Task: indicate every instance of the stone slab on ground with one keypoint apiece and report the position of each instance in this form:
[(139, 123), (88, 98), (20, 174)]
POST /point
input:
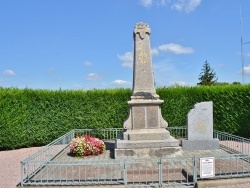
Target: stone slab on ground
[(152, 152), (146, 134), (130, 144), (188, 145)]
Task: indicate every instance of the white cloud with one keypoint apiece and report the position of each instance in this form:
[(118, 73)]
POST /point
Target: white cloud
[(179, 83), (154, 51), (175, 48), (164, 66), (162, 2), (127, 59), (185, 5), (121, 82), (9, 73), (79, 86), (88, 63), (146, 3), (93, 77), (247, 69)]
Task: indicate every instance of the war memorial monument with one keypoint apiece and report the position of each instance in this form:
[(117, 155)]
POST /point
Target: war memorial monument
[(145, 132)]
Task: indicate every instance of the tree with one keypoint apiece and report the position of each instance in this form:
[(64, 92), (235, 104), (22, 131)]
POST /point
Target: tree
[(236, 83), (221, 83), (207, 76)]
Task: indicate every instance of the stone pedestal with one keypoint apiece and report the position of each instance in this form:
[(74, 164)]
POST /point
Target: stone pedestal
[(145, 133)]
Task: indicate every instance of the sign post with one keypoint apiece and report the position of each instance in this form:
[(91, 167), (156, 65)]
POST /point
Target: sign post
[(207, 167)]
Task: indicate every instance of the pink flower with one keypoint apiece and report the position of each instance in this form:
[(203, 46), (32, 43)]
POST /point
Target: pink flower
[(84, 145)]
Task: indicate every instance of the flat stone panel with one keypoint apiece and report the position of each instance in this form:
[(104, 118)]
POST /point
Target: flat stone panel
[(146, 134), (138, 117), (148, 152), (152, 116), (211, 144), (200, 121), (171, 142)]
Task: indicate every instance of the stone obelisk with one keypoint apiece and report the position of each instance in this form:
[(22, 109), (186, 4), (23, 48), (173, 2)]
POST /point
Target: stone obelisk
[(145, 133)]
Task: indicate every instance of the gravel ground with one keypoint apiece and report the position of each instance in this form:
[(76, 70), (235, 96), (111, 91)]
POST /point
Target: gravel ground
[(247, 185), (10, 168)]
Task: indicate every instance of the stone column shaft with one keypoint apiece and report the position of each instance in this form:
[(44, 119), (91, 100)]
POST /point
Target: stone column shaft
[(143, 80)]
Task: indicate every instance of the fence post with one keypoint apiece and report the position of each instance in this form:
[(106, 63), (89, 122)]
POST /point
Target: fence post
[(160, 171), (22, 174), (125, 173), (194, 171), (243, 150)]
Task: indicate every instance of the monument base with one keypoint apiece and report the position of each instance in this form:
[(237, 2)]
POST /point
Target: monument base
[(189, 145), (148, 152), (147, 148), (146, 134)]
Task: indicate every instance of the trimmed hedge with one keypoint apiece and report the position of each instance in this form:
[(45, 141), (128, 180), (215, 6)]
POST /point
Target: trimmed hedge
[(231, 106), (36, 117)]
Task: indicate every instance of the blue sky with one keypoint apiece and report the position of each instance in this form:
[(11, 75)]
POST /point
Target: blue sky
[(80, 44)]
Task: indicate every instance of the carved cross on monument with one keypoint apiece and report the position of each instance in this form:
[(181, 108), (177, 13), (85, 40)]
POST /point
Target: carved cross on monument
[(145, 133)]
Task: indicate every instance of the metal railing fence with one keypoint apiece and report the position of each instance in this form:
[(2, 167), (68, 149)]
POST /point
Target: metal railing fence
[(129, 172), (229, 142), (104, 134), (41, 158), (235, 144), (178, 132), (43, 168), (228, 166)]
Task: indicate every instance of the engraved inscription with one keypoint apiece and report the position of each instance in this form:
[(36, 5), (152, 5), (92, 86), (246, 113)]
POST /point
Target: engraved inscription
[(152, 116), (200, 127), (138, 117), (143, 57)]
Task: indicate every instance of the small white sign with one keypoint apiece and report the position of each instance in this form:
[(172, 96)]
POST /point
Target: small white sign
[(207, 167)]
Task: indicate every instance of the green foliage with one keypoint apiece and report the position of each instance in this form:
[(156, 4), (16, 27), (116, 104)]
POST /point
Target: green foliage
[(207, 77), (236, 83), (37, 117), (221, 83), (231, 105), (226, 83)]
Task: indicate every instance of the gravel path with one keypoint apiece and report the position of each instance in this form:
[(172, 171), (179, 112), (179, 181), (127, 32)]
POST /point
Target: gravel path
[(10, 168)]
